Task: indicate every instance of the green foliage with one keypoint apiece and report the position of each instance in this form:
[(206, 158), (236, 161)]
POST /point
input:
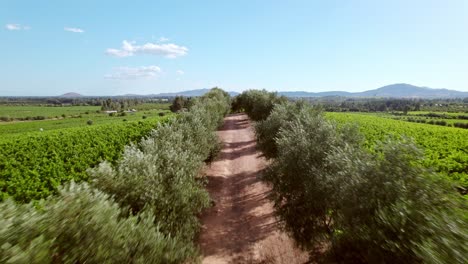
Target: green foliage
[(391, 209), (160, 173), (145, 210), (180, 103), (257, 104), (83, 225), (368, 206), (267, 130), (23, 112), (15, 129), (444, 147), (32, 167)]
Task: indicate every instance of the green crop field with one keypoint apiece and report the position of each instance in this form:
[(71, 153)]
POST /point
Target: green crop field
[(38, 155), (32, 165), (152, 106), (8, 129), (77, 116), (459, 120), (45, 111), (445, 148)]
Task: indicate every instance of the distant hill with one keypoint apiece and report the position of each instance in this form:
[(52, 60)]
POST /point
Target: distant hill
[(399, 90), (404, 90), (71, 95)]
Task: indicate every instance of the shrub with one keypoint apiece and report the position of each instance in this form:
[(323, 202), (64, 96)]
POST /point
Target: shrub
[(461, 125), (257, 104), (39, 118), (180, 103), (267, 130), (145, 210), (441, 123), (160, 173), (89, 122), (391, 209), (82, 225), (161, 177), (302, 194), (366, 207)]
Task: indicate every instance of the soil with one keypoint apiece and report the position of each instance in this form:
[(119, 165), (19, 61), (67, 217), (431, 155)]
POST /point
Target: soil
[(242, 216)]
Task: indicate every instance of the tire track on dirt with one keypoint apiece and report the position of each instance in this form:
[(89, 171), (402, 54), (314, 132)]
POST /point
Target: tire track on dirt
[(242, 215)]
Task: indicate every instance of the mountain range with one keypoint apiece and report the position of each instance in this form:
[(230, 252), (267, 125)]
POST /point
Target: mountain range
[(399, 90)]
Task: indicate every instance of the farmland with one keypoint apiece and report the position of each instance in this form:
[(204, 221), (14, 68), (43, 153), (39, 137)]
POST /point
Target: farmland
[(68, 117), (354, 182), (110, 192), (24, 111), (33, 165), (445, 148), (39, 155)]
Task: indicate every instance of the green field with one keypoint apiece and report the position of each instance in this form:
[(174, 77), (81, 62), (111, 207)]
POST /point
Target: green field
[(49, 112), (38, 155), (77, 116), (46, 111), (445, 148), (33, 165)]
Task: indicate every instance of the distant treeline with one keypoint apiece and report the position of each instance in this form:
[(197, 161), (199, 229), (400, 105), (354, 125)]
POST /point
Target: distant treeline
[(386, 105), (81, 101)]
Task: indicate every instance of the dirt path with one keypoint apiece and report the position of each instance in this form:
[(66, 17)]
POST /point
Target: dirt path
[(242, 215)]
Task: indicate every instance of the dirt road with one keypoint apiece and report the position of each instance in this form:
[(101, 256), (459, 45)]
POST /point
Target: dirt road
[(242, 215)]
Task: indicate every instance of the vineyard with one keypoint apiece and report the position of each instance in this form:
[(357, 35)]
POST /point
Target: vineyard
[(126, 192), (70, 117), (45, 112), (445, 148), (348, 188), (348, 191), (33, 165)]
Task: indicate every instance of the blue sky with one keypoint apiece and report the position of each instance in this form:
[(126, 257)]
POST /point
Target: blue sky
[(53, 47)]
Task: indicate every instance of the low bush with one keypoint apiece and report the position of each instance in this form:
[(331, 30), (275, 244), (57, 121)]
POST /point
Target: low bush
[(257, 104), (267, 130), (375, 207), (362, 206), (142, 208), (83, 225), (461, 125), (160, 173)]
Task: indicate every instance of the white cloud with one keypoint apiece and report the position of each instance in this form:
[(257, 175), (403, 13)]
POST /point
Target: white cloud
[(133, 73), (163, 39), (74, 30), (16, 27), (168, 50), (180, 72)]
